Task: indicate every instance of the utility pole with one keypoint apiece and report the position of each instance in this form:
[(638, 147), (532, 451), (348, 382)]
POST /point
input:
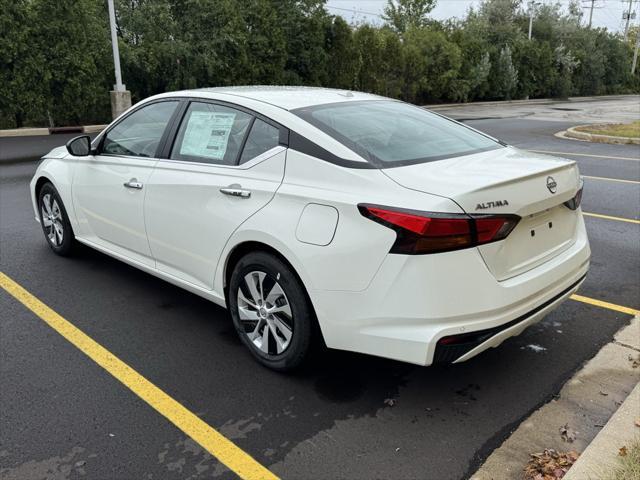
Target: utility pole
[(532, 5), (626, 25), (591, 12), (635, 53), (530, 18), (120, 96)]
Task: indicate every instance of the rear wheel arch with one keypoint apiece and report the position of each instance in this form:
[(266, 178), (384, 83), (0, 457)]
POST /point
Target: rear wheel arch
[(247, 247)]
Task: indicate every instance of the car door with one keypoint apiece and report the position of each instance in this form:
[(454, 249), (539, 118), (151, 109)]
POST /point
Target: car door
[(224, 165), (109, 187)]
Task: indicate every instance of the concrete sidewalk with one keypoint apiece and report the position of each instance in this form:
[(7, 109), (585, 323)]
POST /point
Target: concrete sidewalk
[(600, 458)]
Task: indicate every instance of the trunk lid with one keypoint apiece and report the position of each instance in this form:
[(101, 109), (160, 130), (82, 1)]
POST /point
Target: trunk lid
[(507, 181)]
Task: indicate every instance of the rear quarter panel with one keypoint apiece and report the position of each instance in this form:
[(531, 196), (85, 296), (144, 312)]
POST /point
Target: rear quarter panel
[(358, 247)]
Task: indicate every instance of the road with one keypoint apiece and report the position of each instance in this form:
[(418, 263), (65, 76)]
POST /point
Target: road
[(60, 412)]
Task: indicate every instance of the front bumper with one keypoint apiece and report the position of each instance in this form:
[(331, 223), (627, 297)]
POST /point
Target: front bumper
[(414, 301)]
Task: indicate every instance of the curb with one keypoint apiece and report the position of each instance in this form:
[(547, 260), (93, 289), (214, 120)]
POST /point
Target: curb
[(563, 135), (597, 138), (600, 458), (585, 403), (32, 132)]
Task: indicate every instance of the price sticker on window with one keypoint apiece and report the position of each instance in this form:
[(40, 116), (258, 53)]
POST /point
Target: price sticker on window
[(207, 134)]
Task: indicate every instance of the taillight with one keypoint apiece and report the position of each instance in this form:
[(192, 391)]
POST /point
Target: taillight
[(425, 232), (574, 203)]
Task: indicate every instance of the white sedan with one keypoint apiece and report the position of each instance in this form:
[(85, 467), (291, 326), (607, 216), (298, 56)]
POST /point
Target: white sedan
[(317, 215)]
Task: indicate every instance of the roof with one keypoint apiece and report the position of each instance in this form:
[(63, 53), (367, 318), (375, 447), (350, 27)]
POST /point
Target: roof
[(288, 97)]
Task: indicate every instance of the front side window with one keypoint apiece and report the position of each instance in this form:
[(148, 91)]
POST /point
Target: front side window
[(263, 137), (392, 134), (211, 133), (139, 134)]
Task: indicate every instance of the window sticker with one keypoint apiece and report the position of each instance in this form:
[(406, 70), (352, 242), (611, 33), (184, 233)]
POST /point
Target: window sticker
[(207, 134)]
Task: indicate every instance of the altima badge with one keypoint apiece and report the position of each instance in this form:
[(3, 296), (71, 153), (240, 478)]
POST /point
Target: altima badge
[(497, 203), (552, 185)]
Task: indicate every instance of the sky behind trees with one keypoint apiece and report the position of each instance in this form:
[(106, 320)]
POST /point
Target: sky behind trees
[(606, 13)]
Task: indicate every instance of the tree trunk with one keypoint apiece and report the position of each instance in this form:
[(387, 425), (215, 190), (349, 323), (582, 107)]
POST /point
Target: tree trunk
[(19, 119)]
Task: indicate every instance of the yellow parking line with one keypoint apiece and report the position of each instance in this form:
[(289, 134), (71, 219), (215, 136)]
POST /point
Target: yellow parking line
[(210, 439), (611, 179), (600, 303), (585, 155), (609, 217)]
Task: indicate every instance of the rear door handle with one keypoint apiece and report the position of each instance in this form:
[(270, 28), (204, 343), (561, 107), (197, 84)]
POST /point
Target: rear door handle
[(133, 183), (236, 191)]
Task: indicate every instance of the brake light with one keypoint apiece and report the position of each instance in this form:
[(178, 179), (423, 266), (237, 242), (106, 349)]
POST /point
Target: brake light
[(425, 232), (491, 228), (574, 203)]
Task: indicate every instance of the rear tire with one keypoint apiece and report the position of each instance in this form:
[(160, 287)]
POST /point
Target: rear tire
[(271, 311), (55, 221)]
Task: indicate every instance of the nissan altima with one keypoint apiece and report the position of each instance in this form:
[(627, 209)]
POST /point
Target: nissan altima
[(325, 216)]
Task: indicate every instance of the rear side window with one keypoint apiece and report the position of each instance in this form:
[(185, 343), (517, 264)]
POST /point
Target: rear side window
[(211, 134), (139, 134), (392, 134), (263, 137)]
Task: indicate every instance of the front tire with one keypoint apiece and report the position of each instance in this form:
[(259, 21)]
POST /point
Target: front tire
[(55, 221), (271, 311)]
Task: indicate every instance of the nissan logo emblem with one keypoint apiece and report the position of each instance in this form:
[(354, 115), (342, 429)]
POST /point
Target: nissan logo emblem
[(552, 185)]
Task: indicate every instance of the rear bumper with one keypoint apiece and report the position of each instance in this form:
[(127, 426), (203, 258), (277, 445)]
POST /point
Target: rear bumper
[(468, 345), (414, 301)]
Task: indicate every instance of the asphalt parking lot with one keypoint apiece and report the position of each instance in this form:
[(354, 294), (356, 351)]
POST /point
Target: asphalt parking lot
[(63, 416)]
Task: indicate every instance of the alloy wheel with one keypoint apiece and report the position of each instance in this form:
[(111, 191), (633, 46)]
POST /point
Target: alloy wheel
[(265, 313), (52, 219)]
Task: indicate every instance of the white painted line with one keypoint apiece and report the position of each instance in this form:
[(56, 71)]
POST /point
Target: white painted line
[(611, 179)]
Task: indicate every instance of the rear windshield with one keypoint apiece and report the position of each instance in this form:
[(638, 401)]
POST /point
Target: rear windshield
[(392, 134)]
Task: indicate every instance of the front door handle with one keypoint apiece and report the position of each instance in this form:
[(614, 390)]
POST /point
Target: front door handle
[(236, 190), (133, 183)]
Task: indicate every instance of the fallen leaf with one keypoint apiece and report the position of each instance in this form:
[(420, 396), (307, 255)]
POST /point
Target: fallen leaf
[(549, 465), (567, 434), (622, 452), (604, 394), (637, 422)]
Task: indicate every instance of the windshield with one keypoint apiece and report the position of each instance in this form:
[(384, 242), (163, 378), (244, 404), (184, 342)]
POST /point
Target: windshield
[(392, 134)]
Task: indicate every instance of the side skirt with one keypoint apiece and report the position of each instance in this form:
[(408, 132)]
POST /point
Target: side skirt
[(201, 292)]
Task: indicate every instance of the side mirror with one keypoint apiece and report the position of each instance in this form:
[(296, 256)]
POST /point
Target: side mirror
[(79, 146)]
